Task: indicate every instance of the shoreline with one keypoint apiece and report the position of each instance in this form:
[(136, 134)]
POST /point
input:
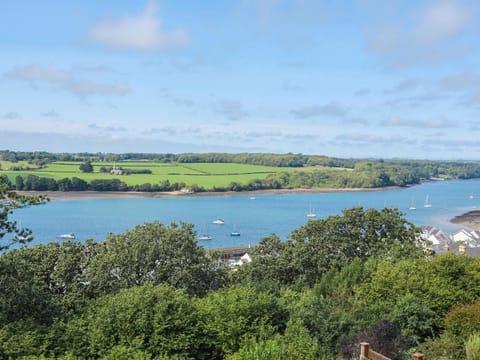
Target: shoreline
[(470, 219), (78, 195)]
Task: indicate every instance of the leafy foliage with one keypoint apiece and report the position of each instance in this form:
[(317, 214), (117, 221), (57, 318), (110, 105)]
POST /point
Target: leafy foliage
[(154, 293), (10, 201)]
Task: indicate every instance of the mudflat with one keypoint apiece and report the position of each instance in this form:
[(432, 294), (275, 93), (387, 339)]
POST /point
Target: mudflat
[(73, 195), (470, 219)]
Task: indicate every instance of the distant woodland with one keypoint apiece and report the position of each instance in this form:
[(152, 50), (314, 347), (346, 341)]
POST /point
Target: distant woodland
[(305, 171)]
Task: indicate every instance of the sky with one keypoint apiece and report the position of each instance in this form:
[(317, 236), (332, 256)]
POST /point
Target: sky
[(352, 79)]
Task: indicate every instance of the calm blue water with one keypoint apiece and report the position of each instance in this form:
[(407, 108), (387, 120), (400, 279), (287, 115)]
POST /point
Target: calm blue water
[(254, 219)]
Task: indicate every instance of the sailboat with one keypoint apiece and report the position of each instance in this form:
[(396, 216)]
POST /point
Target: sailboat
[(311, 214), (412, 206), (427, 204), (471, 195), (234, 232)]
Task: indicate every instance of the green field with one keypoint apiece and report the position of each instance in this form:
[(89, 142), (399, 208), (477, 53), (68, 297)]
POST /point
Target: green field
[(206, 175)]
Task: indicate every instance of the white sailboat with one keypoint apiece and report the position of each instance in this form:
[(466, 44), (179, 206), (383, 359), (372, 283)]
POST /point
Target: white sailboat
[(412, 206), (234, 232), (427, 203), (311, 213)]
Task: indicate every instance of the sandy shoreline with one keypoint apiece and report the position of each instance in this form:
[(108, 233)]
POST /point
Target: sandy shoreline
[(75, 195), (470, 219)]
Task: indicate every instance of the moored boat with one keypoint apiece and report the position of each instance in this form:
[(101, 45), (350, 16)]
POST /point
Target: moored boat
[(67, 236)]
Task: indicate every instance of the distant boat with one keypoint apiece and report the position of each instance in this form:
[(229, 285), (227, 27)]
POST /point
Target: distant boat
[(252, 197), (205, 237), (412, 206), (67, 236), (311, 214), (234, 232), (427, 203), (218, 222), (471, 196)]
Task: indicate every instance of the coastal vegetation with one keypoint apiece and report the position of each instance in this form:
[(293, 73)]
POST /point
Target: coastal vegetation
[(217, 171), (154, 293)]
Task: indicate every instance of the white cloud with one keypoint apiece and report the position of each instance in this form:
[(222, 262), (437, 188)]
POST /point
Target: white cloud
[(108, 129), (331, 109), (437, 123), (37, 74), (441, 21), (138, 32), (429, 35)]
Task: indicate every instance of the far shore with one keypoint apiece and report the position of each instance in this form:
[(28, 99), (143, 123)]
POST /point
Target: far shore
[(76, 195)]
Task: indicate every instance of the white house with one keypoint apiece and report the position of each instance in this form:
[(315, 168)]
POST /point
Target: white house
[(462, 235)]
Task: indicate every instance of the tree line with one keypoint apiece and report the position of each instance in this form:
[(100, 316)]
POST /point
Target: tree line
[(330, 172), (154, 293)]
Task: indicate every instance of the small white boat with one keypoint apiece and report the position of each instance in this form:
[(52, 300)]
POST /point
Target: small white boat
[(252, 197), (412, 207), (427, 204), (311, 214), (67, 236), (471, 196), (234, 232), (218, 222), (205, 237)]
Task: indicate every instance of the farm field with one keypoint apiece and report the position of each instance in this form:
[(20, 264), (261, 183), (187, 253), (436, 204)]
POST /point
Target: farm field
[(206, 175)]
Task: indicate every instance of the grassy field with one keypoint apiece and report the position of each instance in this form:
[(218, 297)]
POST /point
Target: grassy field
[(206, 175)]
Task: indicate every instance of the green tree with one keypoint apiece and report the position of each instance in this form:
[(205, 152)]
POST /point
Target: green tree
[(155, 253), (10, 232), (86, 167), (153, 320), (235, 315)]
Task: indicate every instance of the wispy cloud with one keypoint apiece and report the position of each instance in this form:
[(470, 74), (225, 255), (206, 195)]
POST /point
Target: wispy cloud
[(12, 115), (263, 134), (438, 123), (362, 92), (428, 35), (328, 110), (137, 32), (107, 129), (417, 100), (35, 75), (51, 113), (405, 85), (372, 139), (230, 109)]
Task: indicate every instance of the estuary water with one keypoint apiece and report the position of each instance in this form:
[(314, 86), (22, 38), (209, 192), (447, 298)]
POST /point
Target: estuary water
[(253, 217)]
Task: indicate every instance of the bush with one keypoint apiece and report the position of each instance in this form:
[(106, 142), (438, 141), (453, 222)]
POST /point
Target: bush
[(463, 321)]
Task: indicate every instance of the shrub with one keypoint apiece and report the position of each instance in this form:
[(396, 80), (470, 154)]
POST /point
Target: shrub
[(464, 320)]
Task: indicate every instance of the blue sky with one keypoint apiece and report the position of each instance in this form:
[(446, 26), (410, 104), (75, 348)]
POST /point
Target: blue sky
[(357, 78)]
